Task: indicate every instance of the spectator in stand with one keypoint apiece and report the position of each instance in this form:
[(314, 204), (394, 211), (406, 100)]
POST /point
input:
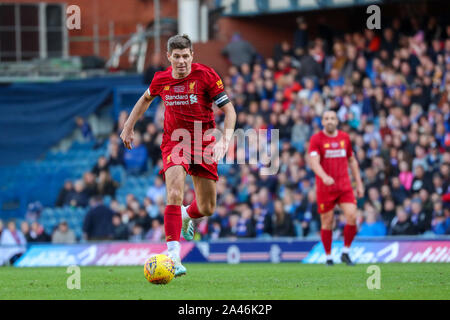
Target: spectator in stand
[(106, 185), (421, 180), (143, 220), (120, 230), (371, 227), (306, 212), (90, 185), (63, 235), (309, 68), (300, 36), (239, 51), (401, 225), (245, 225), (156, 232), (157, 189), (155, 66), (101, 165), (97, 223), (152, 140), (283, 226), (136, 158), (420, 220), (78, 198), (37, 233), (399, 193), (116, 154), (406, 177), (66, 191), (85, 129), (137, 234), (25, 229), (118, 127), (12, 236), (219, 223)]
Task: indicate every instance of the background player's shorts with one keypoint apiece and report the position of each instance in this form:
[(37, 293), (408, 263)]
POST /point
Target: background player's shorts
[(326, 201), (173, 155)]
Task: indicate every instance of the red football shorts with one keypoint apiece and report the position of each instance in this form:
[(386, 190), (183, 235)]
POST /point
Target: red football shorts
[(326, 201), (195, 160)]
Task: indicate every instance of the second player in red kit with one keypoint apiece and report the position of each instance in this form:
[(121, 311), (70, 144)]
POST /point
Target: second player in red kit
[(331, 155)]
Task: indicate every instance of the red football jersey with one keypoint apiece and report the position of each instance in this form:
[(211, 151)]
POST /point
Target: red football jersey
[(188, 99), (334, 153)]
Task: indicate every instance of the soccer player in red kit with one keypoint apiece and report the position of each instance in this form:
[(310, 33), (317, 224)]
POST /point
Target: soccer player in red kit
[(188, 91), (330, 153)]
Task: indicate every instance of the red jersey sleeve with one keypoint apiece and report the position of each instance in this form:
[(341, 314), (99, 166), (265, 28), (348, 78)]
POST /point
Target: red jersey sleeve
[(156, 86), (314, 146), (213, 83)]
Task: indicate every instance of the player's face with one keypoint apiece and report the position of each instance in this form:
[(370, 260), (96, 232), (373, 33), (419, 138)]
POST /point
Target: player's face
[(181, 61), (330, 122)]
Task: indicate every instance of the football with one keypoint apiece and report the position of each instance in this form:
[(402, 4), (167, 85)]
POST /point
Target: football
[(159, 269)]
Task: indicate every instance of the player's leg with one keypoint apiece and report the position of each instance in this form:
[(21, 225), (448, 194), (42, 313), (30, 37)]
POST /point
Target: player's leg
[(326, 233), (175, 178), (204, 177), (204, 204), (205, 197), (350, 210)]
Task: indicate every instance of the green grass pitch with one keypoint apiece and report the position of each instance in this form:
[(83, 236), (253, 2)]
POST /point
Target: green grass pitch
[(223, 281)]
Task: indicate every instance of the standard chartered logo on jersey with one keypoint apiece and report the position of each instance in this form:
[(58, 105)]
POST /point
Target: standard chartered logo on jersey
[(253, 147), (180, 99)]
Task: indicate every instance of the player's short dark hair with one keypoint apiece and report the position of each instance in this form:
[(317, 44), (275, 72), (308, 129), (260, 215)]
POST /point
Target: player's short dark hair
[(328, 110), (179, 42)]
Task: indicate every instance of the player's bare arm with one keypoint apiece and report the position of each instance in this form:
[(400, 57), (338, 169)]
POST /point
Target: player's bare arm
[(230, 120), (354, 167), (139, 109), (318, 170)]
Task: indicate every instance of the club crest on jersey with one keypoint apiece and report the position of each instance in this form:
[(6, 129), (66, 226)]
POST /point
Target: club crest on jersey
[(166, 88), (219, 84), (326, 145), (192, 87), (342, 144), (178, 89)]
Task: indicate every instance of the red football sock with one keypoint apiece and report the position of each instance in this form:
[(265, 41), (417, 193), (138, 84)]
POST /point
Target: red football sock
[(349, 234), (327, 238), (172, 222), (193, 211)]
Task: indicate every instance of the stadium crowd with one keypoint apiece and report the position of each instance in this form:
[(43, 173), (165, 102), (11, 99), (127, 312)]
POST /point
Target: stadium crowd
[(391, 91)]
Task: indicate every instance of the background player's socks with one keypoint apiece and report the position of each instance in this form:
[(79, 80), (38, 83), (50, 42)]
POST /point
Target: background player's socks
[(193, 211), (172, 222), (349, 235), (326, 236)]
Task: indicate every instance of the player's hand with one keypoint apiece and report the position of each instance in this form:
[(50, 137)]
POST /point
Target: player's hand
[(359, 190), (127, 137), (328, 181), (219, 150)]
